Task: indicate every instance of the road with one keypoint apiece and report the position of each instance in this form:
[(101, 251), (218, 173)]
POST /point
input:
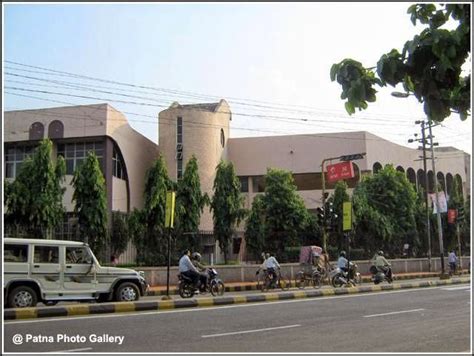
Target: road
[(413, 320)]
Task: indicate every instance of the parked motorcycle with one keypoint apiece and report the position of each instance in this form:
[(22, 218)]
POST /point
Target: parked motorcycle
[(339, 278), (379, 276), (215, 286)]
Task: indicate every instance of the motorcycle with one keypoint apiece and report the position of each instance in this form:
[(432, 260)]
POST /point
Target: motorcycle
[(379, 276), (340, 278), (215, 286)]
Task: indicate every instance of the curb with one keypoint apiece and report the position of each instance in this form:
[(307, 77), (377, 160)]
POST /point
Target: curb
[(250, 287), (106, 308)]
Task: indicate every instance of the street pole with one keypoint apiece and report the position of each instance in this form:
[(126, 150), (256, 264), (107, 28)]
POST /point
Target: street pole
[(459, 245), (168, 267), (428, 224), (324, 204), (438, 212)]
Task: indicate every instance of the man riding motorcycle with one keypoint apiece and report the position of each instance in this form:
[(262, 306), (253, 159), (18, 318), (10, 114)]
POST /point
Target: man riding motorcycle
[(196, 260), (342, 262), (187, 268), (382, 264)]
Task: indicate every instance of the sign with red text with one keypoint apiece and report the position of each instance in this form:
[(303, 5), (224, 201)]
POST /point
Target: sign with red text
[(452, 216), (338, 171)]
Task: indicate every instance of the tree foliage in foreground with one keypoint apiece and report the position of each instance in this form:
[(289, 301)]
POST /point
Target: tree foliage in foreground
[(429, 65), (34, 199)]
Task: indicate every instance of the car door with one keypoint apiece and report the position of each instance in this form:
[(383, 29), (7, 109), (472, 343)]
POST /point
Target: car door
[(46, 269), (80, 275)]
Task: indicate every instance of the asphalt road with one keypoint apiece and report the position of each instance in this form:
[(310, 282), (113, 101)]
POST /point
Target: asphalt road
[(421, 320)]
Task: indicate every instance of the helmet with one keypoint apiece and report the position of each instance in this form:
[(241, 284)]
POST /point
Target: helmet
[(380, 253), (196, 256), (342, 254)]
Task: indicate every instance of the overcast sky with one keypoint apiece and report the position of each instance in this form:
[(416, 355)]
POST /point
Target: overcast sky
[(270, 61)]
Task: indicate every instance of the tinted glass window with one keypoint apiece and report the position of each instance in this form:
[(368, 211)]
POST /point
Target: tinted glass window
[(46, 254), (15, 253)]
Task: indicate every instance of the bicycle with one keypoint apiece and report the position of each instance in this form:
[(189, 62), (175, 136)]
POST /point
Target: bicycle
[(270, 282), (305, 278)]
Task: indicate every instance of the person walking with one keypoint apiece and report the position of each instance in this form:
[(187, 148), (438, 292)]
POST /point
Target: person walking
[(452, 260)]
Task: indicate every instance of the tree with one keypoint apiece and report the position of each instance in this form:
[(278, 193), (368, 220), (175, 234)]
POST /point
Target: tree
[(190, 203), (255, 227), (279, 219), (338, 198), (226, 205), (384, 206), (430, 65), (147, 225), (91, 202), (119, 236), (34, 199)]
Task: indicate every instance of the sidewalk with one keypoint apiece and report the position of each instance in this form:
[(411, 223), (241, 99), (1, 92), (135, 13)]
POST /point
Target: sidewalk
[(247, 286)]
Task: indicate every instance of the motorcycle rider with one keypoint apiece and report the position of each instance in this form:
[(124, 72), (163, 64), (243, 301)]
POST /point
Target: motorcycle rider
[(342, 262), (187, 268), (196, 260), (383, 265)]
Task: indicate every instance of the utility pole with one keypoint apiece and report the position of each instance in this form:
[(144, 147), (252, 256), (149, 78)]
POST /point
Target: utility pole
[(428, 223), (438, 212)]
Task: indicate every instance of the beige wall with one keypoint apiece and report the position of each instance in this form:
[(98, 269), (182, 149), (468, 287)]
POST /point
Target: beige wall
[(201, 137), (119, 199)]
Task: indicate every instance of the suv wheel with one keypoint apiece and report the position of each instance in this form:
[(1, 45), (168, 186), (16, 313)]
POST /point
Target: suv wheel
[(127, 292), (22, 297)]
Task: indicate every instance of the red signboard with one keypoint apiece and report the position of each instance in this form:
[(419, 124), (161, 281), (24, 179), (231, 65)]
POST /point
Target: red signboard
[(338, 171), (452, 216)]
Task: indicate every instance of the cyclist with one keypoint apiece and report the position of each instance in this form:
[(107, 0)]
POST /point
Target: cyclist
[(272, 265)]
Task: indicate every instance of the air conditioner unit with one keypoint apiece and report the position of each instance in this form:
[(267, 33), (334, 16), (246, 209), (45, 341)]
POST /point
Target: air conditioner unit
[(179, 147)]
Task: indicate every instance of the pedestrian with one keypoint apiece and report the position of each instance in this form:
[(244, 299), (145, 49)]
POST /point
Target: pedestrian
[(113, 260), (452, 260)]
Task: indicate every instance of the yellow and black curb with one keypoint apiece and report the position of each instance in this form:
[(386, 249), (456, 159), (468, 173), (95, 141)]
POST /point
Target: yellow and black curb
[(106, 308)]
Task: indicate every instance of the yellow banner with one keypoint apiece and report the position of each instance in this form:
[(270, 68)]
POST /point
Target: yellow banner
[(169, 216), (347, 216)]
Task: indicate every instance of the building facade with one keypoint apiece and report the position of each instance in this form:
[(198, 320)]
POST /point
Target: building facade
[(203, 130)]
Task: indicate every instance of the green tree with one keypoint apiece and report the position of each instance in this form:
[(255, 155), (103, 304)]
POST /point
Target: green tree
[(255, 227), (90, 199), (119, 236), (385, 206), (286, 214), (338, 198), (190, 202), (429, 66), (34, 199), (147, 225), (455, 201), (226, 205)]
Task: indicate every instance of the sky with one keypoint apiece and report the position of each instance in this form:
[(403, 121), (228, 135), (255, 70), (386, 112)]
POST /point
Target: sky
[(270, 61)]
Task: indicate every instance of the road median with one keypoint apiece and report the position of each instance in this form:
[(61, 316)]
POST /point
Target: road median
[(106, 308)]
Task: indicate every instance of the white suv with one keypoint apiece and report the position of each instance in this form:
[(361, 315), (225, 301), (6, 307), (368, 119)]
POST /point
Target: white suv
[(49, 271)]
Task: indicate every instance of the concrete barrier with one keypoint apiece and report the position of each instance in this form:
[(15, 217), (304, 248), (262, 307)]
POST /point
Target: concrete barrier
[(246, 272)]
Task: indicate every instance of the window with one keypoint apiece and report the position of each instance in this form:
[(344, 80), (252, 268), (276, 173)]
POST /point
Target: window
[(46, 254), (15, 253), (78, 255), (222, 138), (179, 148), (376, 167), (75, 153), (308, 181), (118, 167), (14, 158), (244, 184), (36, 131), (56, 129), (258, 183)]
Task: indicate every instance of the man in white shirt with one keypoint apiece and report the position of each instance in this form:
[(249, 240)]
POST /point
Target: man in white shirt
[(272, 265), (187, 268)]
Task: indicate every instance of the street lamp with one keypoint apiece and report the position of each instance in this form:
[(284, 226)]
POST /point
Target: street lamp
[(348, 157)]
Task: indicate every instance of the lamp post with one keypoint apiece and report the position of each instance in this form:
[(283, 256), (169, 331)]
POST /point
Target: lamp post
[(348, 157)]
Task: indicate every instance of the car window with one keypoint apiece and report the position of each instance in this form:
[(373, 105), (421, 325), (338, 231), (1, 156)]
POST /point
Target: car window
[(46, 254), (15, 253), (78, 255)]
